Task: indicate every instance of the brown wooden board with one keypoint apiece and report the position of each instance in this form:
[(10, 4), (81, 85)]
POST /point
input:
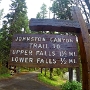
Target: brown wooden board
[(44, 50), (55, 25), (84, 42), (89, 79)]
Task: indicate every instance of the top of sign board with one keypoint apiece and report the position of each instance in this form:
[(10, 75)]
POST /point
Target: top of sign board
[(55, 25)]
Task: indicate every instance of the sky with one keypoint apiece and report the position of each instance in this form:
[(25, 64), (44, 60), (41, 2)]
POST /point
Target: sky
[(32, 5)]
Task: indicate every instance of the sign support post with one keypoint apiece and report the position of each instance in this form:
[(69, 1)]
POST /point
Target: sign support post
[(84, 42)]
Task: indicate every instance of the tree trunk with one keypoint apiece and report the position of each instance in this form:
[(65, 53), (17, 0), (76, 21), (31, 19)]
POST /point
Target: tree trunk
[(78, 74), (70, 74), (41, 70), (51, 71), (45, 71)]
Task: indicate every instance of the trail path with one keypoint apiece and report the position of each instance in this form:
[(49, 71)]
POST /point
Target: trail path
[(24, 82)]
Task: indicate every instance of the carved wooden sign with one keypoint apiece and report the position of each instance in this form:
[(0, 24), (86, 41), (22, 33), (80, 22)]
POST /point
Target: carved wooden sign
[(44, 50)]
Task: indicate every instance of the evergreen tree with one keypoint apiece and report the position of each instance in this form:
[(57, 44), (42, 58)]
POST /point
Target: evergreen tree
[(17, 18), (38, 16), (17, 21), (61, 9), (1, 14), (43, 13)]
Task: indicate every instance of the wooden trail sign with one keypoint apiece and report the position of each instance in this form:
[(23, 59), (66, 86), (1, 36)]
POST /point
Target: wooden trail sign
[(44, 50), (55, 60)]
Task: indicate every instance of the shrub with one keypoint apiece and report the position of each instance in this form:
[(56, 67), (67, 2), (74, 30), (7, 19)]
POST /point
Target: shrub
[(3, 70), (74, 85)]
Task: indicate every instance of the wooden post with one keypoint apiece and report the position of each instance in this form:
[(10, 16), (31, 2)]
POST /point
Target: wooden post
[(77, 69), (84, 63), (84, 42), (78, 74), (70, 74)]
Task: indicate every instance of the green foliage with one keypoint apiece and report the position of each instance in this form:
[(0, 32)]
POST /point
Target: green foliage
[(55, 81), (4, 47), (61, 9), (38, 16), (14, 23), (26, 69), (6, 75), (59, 71), (43, 13), (71, 86), (3, 70), (1, 13), (17, 18)]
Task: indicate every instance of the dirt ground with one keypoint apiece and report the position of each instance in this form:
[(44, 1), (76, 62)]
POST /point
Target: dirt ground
[(26, 81)]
